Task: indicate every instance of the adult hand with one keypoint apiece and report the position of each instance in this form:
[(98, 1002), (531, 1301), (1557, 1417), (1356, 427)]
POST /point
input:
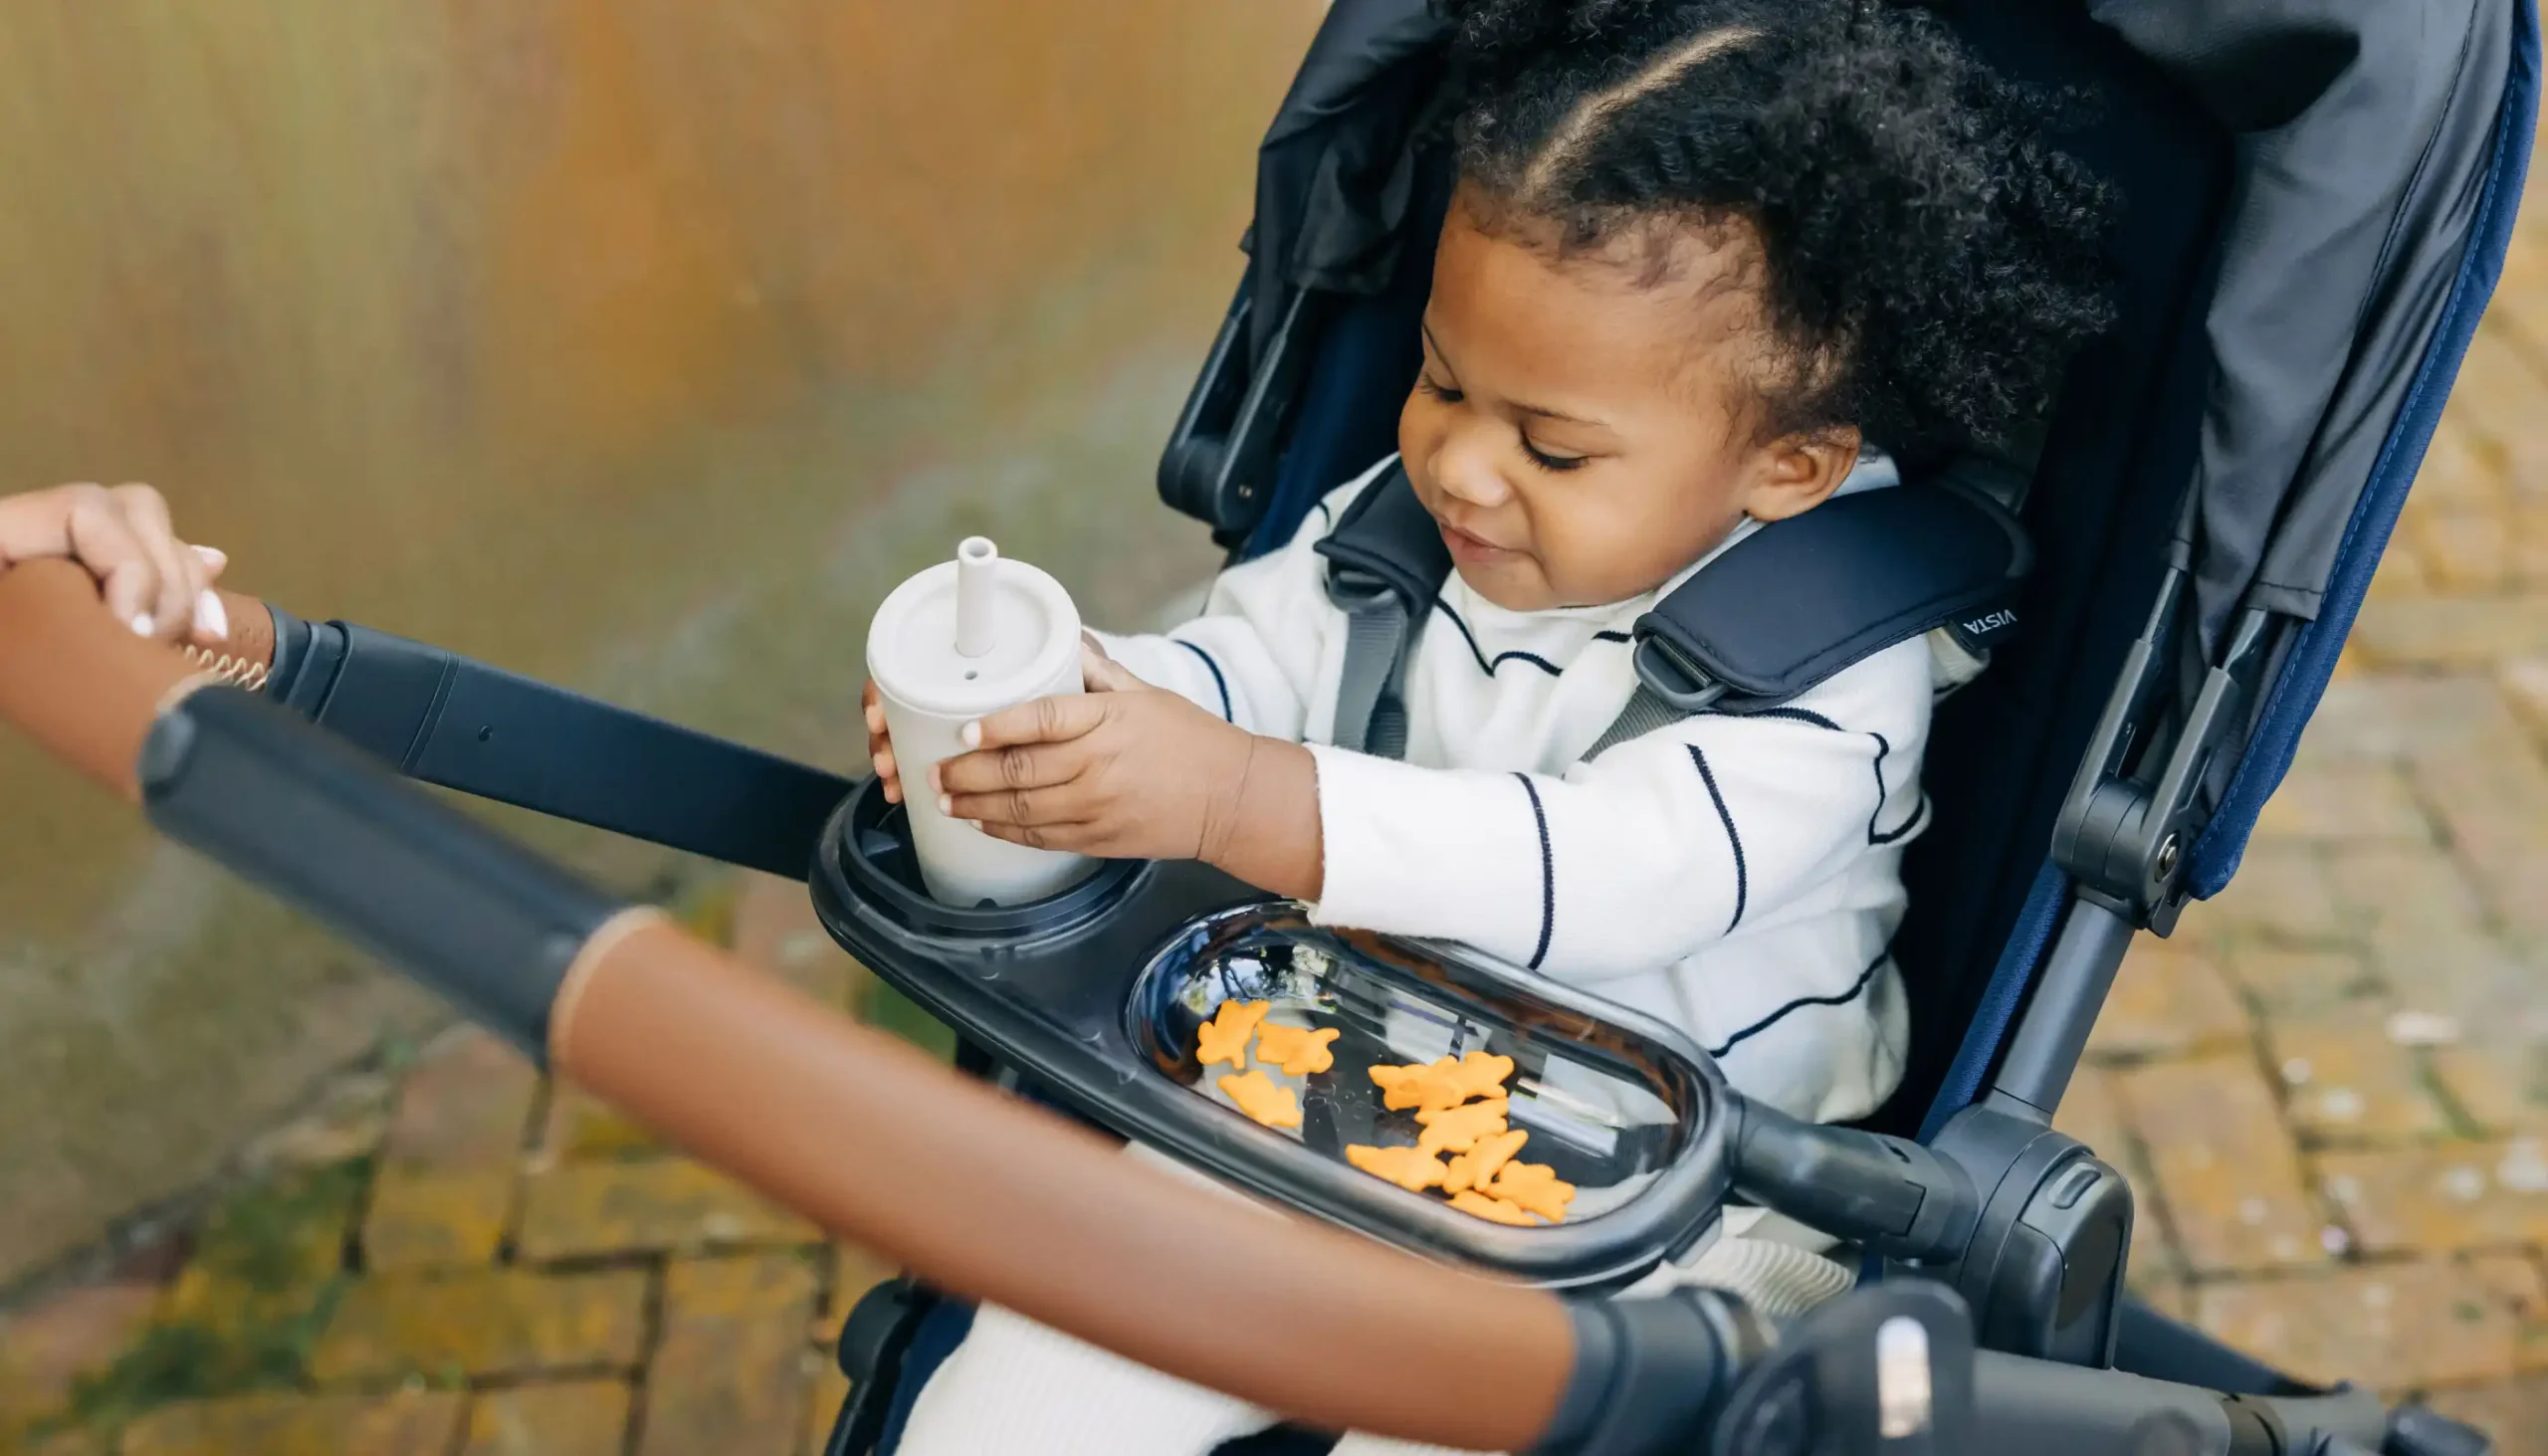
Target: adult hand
[(157, 583)]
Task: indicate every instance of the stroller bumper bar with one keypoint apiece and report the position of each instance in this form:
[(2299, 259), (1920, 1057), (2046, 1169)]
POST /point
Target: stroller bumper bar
[(441, 718)]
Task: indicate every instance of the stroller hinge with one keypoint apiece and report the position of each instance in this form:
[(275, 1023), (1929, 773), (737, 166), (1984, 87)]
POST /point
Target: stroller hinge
[(2139, 801), (1219, 463), (2026, 1224)]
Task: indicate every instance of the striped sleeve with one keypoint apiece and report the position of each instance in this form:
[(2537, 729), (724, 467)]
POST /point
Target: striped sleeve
[(1642, 857)]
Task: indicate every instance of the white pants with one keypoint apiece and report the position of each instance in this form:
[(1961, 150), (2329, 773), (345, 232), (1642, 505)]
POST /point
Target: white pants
[(1017, 1389)]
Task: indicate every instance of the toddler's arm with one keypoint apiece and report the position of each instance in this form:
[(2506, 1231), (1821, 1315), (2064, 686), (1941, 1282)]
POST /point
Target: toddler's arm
[(1638, 859), (1128, 770), (1623, 865)]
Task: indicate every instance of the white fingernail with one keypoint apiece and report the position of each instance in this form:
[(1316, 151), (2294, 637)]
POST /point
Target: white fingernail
[(212, 619), (972, 734), (143, 626), (976, 823), (213, 556), (945, 804)]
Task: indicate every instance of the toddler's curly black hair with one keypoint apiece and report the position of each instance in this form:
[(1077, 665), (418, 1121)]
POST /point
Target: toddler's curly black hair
[(1927, 260)]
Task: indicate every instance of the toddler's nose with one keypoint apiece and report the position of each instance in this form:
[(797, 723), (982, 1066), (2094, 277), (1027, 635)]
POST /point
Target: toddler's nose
[(1468, 472)]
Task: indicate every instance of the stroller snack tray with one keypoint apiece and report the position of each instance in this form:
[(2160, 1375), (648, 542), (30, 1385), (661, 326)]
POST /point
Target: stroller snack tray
[(1096, 997), (1599, 1107)]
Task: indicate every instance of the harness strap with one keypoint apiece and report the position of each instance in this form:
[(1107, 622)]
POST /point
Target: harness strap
[(1801, 600), (1385, 563), (1776, 615), (1371, 704), (1645, 714)]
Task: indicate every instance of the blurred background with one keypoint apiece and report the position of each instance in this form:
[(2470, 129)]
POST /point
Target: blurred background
[(642, 346), (633, 343)]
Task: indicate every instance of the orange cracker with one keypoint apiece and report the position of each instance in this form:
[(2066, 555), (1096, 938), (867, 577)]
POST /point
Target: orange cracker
[(1493, 1210), (1444, 1082), (1296, 1049), (1265, 1099), (1225, 1037), (1413, 1085), (1457, 1129), (1478, 1074), (1535, 1186), (1419, 1085), (1405, 1166), (1476, 1168)]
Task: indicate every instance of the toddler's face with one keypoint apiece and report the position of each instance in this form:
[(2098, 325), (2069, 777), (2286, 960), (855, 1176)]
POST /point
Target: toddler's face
[(1579, 432)]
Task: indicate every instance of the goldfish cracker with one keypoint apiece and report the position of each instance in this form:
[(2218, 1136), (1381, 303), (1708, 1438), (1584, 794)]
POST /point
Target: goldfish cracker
[(1446, 1082), (1407, 1167), (1478, 1074), (1296, 1049), (1265, 1099), (1225, 1037), (1493, 1210), (1457, 1129), (1413, 1086), (1477, 1167), (1535, 1186)]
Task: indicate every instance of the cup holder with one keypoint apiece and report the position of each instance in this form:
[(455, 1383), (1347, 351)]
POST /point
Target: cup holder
[(870, 845)]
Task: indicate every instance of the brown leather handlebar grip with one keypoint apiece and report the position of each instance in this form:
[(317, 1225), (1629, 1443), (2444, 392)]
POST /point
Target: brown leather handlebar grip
[(85, 688), (971, 1191), (76, 681), (251, 632)]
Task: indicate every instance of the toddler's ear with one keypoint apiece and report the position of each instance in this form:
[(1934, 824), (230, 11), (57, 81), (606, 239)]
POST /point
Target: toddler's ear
[(1795, 473)]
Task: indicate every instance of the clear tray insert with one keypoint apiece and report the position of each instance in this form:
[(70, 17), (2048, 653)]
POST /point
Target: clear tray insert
[(1604, 1110)]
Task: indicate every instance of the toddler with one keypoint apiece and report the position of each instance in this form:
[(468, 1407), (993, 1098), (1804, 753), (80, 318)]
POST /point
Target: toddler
[(1704, 258)]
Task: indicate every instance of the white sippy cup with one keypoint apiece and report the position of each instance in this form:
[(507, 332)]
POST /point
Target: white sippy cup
[(957, 642)]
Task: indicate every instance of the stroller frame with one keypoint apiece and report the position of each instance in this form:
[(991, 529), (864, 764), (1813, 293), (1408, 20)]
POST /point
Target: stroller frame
[(1960, 1185)]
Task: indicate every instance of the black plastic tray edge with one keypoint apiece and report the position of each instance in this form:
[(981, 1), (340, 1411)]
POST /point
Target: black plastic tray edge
[(1587, 1255)]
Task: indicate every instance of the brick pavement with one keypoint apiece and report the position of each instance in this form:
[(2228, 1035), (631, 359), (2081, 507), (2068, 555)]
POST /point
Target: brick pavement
[(2331, 1088), (471, 1262)]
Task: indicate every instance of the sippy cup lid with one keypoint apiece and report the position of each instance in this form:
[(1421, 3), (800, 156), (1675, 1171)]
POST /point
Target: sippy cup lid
[(972, 635)]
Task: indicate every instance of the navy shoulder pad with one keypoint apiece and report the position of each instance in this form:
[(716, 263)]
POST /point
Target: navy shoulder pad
[(1801, 599), (1387, 537)]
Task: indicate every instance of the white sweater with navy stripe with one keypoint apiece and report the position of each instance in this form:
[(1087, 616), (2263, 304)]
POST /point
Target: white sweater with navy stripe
[(1737, 877)]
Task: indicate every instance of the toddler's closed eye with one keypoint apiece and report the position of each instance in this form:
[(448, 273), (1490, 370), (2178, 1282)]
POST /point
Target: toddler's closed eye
[(1546, 460)]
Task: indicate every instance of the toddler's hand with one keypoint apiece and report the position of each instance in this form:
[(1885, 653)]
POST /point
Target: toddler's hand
[(1124, 771), (152, 580), (879, 748), (880, 743)]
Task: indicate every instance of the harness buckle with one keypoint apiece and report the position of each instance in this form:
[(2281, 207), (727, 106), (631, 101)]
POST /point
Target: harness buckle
[(1669, 674)]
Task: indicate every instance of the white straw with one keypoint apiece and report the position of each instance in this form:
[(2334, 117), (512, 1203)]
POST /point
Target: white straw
[(975, 561)]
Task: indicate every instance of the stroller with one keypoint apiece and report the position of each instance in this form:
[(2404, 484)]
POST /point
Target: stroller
[(2318, 195)]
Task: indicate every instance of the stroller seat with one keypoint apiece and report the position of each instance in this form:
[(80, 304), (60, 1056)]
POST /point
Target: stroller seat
[(2316, 199)]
